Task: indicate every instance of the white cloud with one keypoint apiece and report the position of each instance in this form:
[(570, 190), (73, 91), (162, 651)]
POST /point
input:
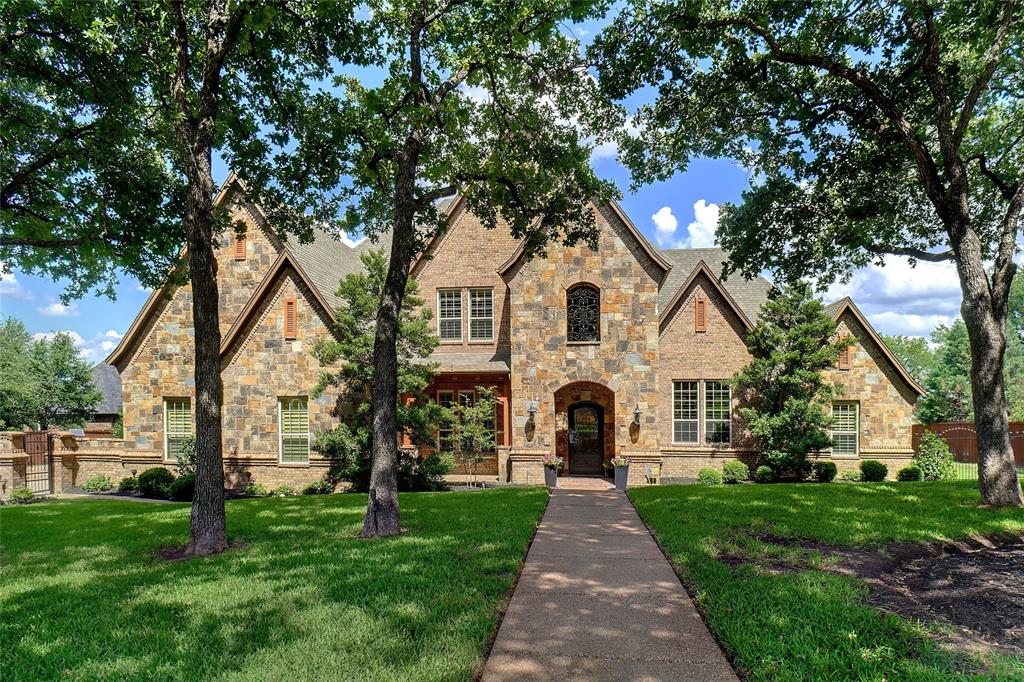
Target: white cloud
[(94, 349), (605, 150), (702, 230), (59, 310), (908, 324), (476, 93), (665, 224), (76, 338), (113, 334), (350, 240), (107, 346), (10, 286)]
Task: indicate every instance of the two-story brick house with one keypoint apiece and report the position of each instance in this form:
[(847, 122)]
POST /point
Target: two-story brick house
[(622, 350)]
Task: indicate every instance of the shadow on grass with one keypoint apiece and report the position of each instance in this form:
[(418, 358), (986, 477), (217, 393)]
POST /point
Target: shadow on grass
[(83, 598)]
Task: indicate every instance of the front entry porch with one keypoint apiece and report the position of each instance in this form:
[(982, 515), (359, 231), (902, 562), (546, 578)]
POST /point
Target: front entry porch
[(584, 427)]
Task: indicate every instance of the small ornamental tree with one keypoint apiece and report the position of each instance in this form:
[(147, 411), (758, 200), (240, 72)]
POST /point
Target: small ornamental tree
[(793, 341), (472, 429), (348, 358)]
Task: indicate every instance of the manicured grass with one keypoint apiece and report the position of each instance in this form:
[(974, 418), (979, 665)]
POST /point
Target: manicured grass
[(966, 471), (81, 596), (810, 624)]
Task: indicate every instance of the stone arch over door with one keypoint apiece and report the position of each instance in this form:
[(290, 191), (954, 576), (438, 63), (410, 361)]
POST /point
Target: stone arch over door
[(583, 392)]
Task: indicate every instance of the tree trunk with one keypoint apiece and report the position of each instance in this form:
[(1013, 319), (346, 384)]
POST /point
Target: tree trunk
[(382, 514), (986, 328), (208, 533)]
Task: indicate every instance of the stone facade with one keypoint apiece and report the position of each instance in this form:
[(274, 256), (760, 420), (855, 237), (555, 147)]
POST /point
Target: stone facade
[(649, 338)]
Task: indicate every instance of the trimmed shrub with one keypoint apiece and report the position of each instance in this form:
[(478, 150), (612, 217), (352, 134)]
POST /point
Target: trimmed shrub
[(910, 473), (21, 495), (850, 475), (129, 484), (825, 472), (257, 490), (155, 483), (98, 484), (764, 474), (709, 476), (183, 489), (321, 487), (934, 458), (284, 491), (735, 471), (873, 470)]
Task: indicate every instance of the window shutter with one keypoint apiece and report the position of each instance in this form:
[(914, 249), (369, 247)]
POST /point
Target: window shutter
[(239, 247), (844, 358), (289, 318), (700, 315)]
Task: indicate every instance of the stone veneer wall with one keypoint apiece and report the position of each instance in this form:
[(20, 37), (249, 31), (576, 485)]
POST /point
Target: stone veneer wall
[(623, 360)]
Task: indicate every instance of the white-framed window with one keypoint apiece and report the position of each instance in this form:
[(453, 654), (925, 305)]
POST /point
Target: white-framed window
[(293, 421), (449, 314), (845, 427), (177, 425), (444, 436), (684, 412), (481, 314), (717, 412)]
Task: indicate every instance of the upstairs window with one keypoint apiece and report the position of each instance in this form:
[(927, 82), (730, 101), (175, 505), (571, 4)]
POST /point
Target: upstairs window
[(294, 431), (177, 426), (583, 314), (845, 420), (700, 314), (449, 314), (290, 323), (239, 246), (481, 314)]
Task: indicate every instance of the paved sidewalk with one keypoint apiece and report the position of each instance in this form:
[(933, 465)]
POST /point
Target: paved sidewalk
[(597, 600)]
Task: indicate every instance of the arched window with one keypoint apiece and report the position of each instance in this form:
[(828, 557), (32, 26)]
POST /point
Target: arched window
[(583, 313)]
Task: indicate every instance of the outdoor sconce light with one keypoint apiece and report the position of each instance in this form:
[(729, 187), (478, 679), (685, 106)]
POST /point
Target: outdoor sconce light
[(636, 415), (532, 411)]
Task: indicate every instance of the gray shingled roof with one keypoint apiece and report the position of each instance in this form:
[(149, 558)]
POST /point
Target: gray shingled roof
[(107, 381), (749, 294), (325, 260), (474, 361)]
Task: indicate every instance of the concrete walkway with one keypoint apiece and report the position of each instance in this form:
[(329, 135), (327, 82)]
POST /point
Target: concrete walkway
[(597, 600)]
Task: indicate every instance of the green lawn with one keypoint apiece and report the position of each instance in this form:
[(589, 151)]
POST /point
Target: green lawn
[(81, 596), (810, 624)]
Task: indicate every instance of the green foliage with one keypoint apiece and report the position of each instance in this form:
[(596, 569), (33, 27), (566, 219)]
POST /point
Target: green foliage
[(155, 483), (256, 490), (417, 473), (709, 476), (807, 623), (948, 397), (117, 430), (283, 491), (825, 472), (43, 382), (471, 428), (183, 488), (21, 496), (735, 471), (851, 475), (872, 470), (321, 487), (128, 484), (934, 458), (764, 474), (910, 473), (793, 341), (98, 484), (186, 461), (914, 353)]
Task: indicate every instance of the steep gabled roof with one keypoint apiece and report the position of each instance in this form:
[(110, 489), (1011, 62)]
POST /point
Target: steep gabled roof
[(702, 268), (108, 382), (748, 295), (836, 310)]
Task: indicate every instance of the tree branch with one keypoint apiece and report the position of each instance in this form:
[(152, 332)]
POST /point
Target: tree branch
[(991, 61), (917, 254), (1005, 189)]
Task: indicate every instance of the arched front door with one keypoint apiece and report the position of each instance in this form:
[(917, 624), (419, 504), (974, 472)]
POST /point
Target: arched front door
[(586, 438)]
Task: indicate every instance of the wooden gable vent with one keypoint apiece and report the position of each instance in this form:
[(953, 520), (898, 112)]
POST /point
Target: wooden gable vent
[(844, 358), (700, 314), (289, 318), (239, 246)]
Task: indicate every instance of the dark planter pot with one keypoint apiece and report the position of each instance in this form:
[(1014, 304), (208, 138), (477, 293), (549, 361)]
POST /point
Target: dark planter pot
[(550, 477), (621, 476)]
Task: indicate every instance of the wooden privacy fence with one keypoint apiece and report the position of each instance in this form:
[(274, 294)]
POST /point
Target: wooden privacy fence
[(963, 440)]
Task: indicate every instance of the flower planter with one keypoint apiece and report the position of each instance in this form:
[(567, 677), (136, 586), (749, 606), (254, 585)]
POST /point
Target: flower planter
[(621, 476), (550, 477)]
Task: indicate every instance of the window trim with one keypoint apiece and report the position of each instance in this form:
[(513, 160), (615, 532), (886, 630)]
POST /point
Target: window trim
[(280, 430), (460, 318), (856, 429), (489, 318), (167, 433), (705, 383), (696, 420)]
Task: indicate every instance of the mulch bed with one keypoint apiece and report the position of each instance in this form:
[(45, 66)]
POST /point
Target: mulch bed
[(973, 586)]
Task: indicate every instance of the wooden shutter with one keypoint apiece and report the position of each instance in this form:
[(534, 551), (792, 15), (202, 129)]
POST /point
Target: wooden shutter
[(844, 358), (289, 318), (239, 247), (700, 315)]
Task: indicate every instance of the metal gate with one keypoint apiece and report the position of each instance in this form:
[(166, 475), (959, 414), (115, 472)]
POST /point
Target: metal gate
[(39, 469)]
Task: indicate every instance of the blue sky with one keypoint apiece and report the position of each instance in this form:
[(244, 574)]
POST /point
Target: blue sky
[(680, 212)]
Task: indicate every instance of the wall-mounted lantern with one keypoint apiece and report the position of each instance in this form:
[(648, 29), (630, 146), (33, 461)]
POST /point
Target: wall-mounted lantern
[(532, 411), (531, 425), (636, 415)]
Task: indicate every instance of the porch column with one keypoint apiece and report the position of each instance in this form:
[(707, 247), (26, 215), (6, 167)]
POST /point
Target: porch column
[(506, 435)]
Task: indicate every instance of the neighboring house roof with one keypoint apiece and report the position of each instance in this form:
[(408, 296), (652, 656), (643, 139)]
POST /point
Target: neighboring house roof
[(748, 294), (107, 381), (836, 310), (470, 362)]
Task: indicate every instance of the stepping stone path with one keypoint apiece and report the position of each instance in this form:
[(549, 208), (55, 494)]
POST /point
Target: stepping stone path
[(597, 600)]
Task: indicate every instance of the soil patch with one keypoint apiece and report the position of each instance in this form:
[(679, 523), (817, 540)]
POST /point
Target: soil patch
[(179, 553), (975, 587)]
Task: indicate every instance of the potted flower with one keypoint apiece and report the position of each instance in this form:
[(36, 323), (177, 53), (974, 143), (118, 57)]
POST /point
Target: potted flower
[(621, 466), (552, 465)]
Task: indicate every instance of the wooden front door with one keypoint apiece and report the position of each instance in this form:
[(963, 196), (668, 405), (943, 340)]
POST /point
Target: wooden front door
[(586, 438)]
